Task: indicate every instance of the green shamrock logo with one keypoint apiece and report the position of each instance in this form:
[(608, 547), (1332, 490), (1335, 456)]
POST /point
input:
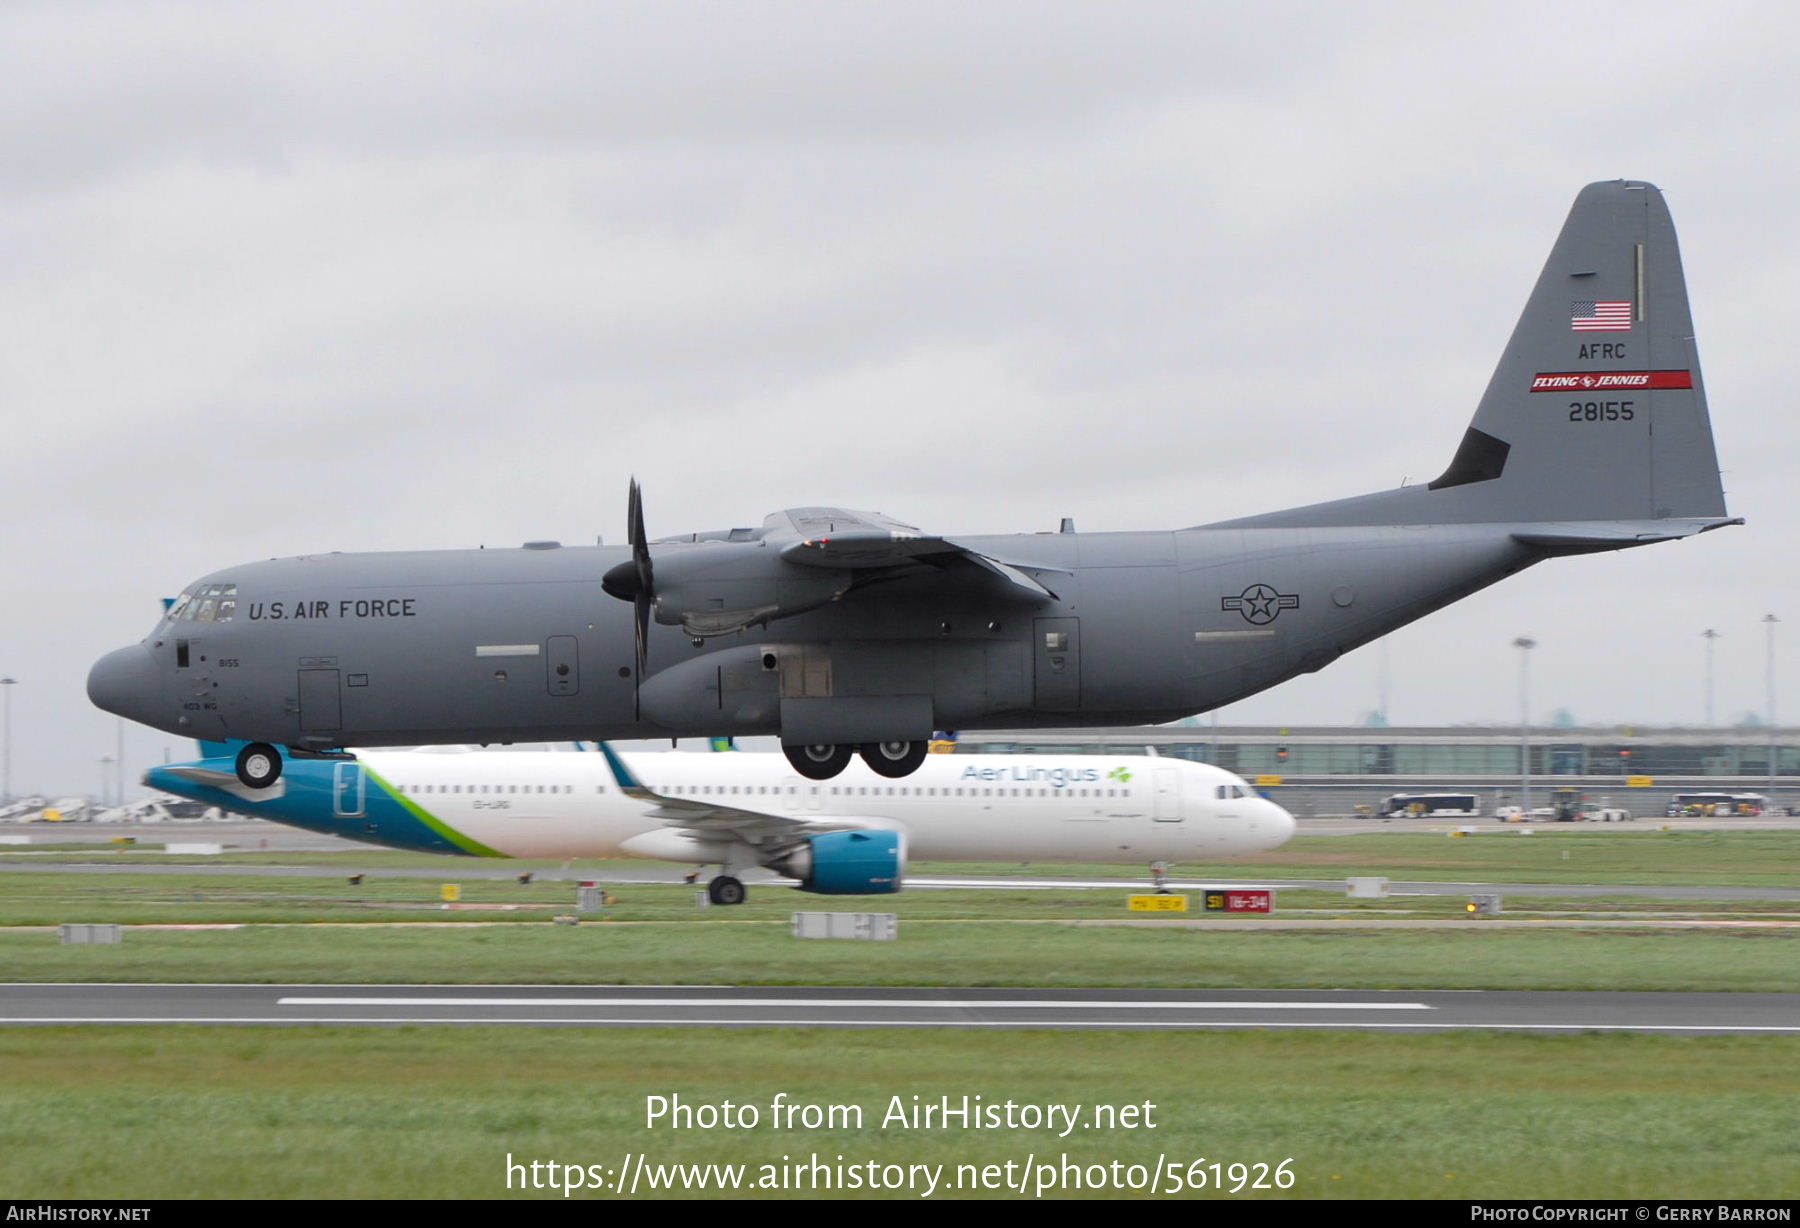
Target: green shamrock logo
[(1122, 775)]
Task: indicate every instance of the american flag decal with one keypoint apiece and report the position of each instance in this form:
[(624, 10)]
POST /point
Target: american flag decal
[(1589, 316)]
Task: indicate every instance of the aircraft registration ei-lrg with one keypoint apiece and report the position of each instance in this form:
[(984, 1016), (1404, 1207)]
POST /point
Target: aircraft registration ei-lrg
[(843, 632)]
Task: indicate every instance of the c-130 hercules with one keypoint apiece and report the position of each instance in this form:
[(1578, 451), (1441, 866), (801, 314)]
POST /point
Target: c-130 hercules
[(847, 632)]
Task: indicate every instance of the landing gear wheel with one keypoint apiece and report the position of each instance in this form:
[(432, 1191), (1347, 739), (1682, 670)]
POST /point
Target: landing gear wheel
[(725, 890), (820, 761), (894, 759), (259, 765)]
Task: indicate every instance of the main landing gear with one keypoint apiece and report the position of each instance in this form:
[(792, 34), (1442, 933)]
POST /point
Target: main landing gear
[(822, 761), (259, 765)]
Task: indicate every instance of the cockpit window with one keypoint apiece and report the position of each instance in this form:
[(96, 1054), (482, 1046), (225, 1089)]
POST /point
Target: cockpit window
[(216, 603)]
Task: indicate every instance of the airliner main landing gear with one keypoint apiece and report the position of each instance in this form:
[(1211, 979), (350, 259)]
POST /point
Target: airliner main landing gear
[(725, 890), (259, 765)]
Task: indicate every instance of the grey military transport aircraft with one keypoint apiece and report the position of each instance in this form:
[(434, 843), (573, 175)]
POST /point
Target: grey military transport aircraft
[(847, 632)]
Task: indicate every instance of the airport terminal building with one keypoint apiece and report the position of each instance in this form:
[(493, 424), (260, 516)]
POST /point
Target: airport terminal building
[(1339, 770)]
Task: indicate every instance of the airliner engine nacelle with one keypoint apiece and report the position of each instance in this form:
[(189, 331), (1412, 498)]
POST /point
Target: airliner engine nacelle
[(846, 863)]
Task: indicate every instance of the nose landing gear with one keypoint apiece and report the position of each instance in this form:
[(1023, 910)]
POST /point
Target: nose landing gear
[(259, 765), (725, 890)]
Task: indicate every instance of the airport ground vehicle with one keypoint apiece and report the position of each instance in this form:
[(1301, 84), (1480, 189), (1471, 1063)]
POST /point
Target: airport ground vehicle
[(1429, 806), (1692, 805)]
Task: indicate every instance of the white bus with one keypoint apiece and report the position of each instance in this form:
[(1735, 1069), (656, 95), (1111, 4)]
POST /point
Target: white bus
[(1429, 806)]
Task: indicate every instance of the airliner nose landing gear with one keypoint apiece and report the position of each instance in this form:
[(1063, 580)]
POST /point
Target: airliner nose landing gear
[(259, 765), (725, 890)]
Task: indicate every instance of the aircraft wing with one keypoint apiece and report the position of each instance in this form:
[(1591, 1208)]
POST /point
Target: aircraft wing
[(840, 537), (712, 821)]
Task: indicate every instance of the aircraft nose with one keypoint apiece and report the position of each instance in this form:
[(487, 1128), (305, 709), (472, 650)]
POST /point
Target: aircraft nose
[(125, 683), (1279, 823)]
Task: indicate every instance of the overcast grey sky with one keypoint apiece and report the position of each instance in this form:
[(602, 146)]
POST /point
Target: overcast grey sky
[(294, 277)]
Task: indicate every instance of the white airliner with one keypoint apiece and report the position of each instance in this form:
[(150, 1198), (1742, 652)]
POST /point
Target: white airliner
[(851, 835)]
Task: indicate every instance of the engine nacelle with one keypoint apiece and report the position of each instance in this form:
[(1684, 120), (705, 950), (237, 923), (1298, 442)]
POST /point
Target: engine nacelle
[(713, 590), (846, 863)]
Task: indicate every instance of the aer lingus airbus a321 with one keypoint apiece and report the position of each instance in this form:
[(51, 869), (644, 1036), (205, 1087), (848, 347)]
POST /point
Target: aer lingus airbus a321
[(847, 632), (853, 836)]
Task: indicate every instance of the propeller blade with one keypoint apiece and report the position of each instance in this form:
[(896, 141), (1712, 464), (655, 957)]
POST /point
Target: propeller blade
[(640, 542), (641, 608), (645, 576)]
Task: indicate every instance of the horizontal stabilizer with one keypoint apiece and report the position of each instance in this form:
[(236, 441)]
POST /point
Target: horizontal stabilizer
[(203, 776), (1586, 536)]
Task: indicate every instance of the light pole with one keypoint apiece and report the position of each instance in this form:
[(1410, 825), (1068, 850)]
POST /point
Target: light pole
[(1525, 644), (105, 777), (1382, 681), (6, 686), (1769, 621), (1709, 635)]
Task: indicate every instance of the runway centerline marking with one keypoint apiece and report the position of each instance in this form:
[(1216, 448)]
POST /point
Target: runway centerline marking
[(888, 1003)]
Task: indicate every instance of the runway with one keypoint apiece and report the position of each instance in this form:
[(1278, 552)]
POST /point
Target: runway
[(860, 1007)]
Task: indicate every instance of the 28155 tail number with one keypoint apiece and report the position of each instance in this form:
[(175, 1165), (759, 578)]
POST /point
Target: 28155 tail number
[(1601, 411)]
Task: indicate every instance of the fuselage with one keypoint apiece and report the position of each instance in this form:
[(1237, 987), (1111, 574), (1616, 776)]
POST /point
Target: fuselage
[(521, 645), (956, 807), (842, 631)]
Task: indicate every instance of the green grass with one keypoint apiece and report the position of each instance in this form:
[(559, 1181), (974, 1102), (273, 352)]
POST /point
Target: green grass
[(179, 1112), (1503, 854), (47, 898), (1639, 854), (965, 953)]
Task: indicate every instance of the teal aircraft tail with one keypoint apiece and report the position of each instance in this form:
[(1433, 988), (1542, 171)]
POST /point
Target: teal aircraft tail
[(1596, 411)]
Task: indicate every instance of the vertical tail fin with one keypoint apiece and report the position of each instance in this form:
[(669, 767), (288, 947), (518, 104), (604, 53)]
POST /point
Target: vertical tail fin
[(1596, 410)]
